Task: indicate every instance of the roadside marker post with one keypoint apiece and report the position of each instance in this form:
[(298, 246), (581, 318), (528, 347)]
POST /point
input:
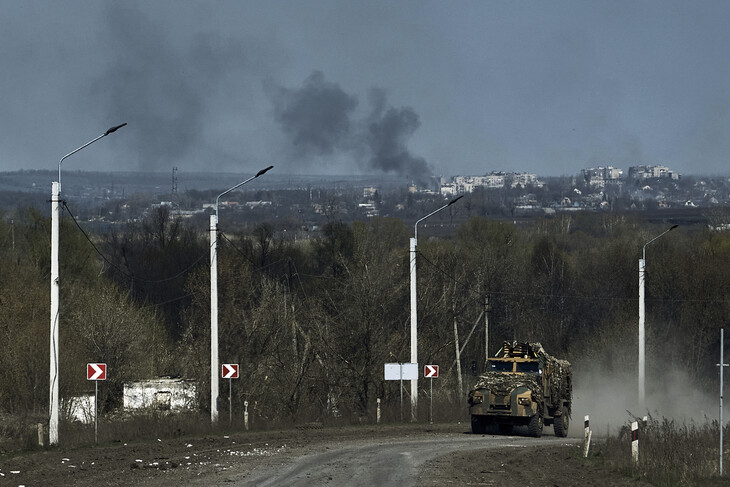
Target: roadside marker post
[(230, 372), (245, 414), (431, 372), (635, 442), (96, 372)]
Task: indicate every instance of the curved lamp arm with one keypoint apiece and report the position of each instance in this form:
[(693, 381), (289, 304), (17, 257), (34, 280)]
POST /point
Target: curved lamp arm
[(109, 131)]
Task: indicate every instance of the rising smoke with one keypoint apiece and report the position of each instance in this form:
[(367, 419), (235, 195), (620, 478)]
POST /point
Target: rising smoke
[(178, 92), (319, 119), (175, 92)]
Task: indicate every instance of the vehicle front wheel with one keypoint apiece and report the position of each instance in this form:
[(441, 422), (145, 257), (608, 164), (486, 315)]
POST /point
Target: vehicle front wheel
[(478, 424), (535, 426), (560, 425)]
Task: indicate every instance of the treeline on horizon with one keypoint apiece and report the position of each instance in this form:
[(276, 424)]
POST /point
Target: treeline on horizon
[(312, 322)]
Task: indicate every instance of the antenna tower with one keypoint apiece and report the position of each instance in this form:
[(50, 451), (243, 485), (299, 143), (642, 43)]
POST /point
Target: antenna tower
[(174, 180)]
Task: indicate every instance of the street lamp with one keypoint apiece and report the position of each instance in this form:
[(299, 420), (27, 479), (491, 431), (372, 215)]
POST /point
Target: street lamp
[(214, 371), (642, 309), (414, 307), (55, 218)]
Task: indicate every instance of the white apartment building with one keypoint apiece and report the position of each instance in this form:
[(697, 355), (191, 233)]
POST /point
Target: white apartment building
[(648, 172), (467, 184), (600, 176)]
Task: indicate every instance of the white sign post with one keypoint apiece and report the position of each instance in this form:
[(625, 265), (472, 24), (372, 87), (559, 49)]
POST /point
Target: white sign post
[(96, 372), (230, 372), (431, 372), (401, 372)]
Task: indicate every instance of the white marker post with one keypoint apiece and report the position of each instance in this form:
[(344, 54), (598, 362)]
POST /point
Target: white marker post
[(377, 415), (635, 442), (245, 414), (586, 436)]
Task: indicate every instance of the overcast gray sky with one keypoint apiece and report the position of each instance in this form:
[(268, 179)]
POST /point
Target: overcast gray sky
[(344, 87)]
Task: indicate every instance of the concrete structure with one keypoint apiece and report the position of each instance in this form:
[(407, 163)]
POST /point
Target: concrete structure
[(163, 394)]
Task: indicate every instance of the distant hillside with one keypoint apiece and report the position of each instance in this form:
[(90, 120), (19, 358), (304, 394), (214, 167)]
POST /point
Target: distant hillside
[(77, 183)]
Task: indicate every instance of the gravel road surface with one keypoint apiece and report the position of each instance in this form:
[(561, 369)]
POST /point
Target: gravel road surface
[(383, 455)]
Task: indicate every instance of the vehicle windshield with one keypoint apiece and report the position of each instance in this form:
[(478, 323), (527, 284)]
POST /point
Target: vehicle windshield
[(529, 367), (500, 366)]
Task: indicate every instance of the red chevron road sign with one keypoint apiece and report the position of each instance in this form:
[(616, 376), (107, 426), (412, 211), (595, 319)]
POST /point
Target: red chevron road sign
[(95, 371), (431, 371), (229, 371)]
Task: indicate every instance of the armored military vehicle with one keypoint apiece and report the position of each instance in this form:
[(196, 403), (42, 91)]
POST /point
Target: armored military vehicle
[(523, 385)]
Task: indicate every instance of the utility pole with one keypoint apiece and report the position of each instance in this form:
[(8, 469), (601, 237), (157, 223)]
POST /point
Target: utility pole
[(414, 306), (55, 218), (486, 331), (214, 368)]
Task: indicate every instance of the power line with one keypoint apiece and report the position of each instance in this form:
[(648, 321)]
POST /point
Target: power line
[(560, 296), (119, 269)]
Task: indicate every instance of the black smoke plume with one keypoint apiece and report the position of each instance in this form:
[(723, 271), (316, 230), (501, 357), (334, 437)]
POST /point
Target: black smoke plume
[(318, 120), (315, 117)]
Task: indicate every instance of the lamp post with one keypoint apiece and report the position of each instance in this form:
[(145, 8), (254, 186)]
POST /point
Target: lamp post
[(642, 309), (55, 217), (414, 306), (214, 370)]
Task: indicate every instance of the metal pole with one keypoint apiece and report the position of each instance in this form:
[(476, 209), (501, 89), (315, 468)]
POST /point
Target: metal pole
[(230, 402), (401, 394), (213, 319), (642, 312), (96, 411), (414, 329), (53, 380), (214, 365), (55, 218), (642, 335), (486, 331), (414, 307), (722, 365), (431, 408)]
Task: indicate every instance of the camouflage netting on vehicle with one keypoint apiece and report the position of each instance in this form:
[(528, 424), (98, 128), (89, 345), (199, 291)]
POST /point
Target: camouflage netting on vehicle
[(502, 384), (559, 376), (559, 373)]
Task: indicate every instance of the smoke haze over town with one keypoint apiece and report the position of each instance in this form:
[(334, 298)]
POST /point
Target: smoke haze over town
[(410, 89)]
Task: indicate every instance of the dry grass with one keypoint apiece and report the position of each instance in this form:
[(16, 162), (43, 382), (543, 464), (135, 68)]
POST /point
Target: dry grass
[(670, 454)]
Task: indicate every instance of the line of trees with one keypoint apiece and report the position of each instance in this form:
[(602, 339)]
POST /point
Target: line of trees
[(312, 322)]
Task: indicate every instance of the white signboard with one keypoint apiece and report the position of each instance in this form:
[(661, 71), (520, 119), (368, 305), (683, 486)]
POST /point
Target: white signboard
[(406, 371)]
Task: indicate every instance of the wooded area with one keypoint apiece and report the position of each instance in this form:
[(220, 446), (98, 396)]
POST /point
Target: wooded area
[(312, 322)]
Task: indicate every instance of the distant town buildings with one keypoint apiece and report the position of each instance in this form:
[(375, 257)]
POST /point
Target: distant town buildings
[(600, 176), (467, 184), (649, 172)]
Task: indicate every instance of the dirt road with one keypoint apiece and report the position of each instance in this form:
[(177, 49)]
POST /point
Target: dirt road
[(444, 454), (383, 462)]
